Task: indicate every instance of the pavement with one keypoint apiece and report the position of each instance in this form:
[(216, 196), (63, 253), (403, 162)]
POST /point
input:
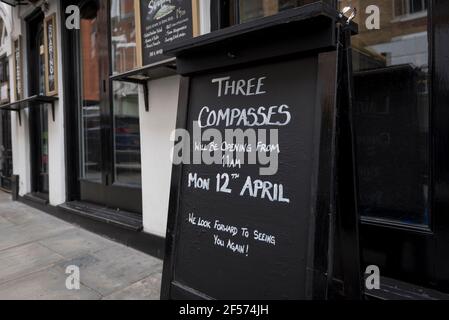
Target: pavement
[(36, 250)]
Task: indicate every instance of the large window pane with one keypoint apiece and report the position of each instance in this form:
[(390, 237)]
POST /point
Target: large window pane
[(90, 103), (126, 134), (400, 7), (391, 76), (44, 182), (253, 9), (416, 6), (123, 33), (125, 95)]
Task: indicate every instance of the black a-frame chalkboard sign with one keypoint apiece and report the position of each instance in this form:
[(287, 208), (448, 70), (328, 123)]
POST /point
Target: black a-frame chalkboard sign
[(263, 229)]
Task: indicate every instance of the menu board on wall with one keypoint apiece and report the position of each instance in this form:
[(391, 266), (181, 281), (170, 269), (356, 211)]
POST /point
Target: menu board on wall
[(243, 232), (18, 80), (51, 56), (163, 22)]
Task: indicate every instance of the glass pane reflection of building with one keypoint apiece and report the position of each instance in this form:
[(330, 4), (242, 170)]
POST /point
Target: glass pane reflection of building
[(253, 9), (90, 133), (391, 77), (127, 162)]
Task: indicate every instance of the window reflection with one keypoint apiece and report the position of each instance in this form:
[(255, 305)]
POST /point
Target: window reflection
[(123, 33), (126, 134), (253, 9), (391, 79), (90, 105), (5, 127), (44, 181), (406, 7), (42, 124), (127, 166)]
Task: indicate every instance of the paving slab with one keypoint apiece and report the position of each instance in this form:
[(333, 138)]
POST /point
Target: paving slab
[(21, 214), (114, 268), (5, 223), (146, 289), (36, 249), (45, 285), (18, 217), (26, 259), (29, 232), (75, 243)]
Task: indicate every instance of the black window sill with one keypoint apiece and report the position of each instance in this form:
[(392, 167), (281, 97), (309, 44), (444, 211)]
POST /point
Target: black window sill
[(392, 289), (123, 219), (142, 75), (36, 197)]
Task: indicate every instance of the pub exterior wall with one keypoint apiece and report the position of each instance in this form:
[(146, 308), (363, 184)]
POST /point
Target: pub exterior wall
[(156, 127)]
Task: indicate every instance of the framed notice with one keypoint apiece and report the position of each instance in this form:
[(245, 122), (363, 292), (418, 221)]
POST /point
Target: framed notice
[(163, 22), (18, 67), (51, 56)]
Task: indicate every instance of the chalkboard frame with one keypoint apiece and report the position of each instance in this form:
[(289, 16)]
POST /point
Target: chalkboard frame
[(318, 285), (163, 58), (323, 228)]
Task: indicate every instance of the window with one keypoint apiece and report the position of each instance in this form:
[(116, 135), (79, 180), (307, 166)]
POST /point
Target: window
[(3, 33), (4, 70), (90, 117), (407, 7), (392, 111), (246, 10), (123, 36), (127, 162), (125, 99), (4, 80)]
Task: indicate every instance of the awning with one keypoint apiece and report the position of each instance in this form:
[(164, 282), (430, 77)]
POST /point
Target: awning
[(34, 101)]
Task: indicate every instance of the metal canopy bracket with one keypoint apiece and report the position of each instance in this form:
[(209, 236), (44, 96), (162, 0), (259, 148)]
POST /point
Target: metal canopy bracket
[(142, 75), (144, 84), (34, 101)]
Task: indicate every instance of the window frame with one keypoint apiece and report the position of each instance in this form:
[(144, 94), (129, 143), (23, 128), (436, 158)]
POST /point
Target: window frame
[(114, 72), (113, 177), (407, 15), (225, 13)]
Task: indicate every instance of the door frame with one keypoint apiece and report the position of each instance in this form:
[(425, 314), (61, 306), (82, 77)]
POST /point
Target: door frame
[(107, 192), (5, 124), (6, 135), (440, 142), (33, 78)]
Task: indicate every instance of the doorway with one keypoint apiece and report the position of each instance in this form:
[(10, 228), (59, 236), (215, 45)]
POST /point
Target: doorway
[(38, 116), (5, 133), (107, 143)]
